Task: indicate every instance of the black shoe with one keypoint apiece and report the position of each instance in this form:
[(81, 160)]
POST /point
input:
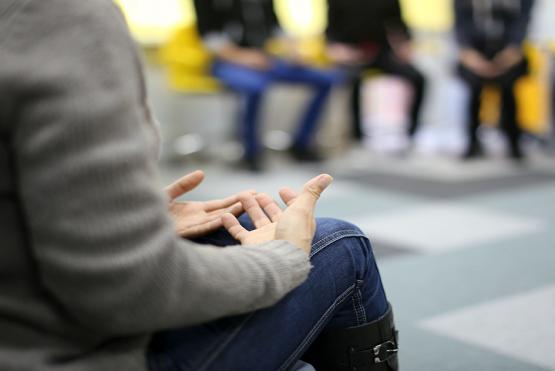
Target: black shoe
[(303, 154), (473, 151), (515, 153)]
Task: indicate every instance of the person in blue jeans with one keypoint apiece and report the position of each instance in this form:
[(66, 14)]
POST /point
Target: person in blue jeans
[(237, 32), (338, 319)]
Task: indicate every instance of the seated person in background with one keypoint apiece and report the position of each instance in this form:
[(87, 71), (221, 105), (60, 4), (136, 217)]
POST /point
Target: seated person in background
[(490, 36), (101, 271), (236, 31), (365, 34)]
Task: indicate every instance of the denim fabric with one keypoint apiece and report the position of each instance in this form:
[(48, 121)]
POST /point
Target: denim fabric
[(344, 289), (253, 84)]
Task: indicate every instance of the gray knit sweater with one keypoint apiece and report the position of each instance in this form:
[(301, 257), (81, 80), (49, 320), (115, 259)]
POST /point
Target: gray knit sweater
[(90, 265)]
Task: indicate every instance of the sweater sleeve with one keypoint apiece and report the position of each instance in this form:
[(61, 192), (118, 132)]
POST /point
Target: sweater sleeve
[(103, 244)]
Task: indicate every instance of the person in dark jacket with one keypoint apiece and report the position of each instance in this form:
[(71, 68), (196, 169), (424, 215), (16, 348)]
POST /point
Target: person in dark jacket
[(490, 34), (366, 34), (237, 32)]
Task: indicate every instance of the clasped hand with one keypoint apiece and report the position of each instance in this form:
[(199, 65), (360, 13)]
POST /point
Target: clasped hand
[(295, 224)]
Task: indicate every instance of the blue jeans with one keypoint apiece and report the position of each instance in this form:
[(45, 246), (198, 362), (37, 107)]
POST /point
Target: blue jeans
[(254, 83), (343, 289)]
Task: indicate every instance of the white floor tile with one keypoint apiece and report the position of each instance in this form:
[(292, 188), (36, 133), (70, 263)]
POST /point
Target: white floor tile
[(445, 226)]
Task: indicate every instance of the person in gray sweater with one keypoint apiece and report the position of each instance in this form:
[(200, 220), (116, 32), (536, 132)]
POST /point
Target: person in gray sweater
[(100, 270)]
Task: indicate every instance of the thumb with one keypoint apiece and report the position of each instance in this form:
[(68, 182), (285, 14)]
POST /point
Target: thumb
[(313, 189)]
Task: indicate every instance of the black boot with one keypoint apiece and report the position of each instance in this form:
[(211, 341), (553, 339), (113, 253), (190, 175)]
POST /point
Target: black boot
[(303, 154), (515, 151), (368, 347), (473, 150)]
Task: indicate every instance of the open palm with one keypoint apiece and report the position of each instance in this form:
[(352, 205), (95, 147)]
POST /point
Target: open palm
[(295, 224), (194, 218)]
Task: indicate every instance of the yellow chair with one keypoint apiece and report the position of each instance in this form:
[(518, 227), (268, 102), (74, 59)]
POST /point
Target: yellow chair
[(532, 96), (188, 63)]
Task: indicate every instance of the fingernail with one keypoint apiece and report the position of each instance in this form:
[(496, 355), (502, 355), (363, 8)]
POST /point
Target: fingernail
[(325, 180)]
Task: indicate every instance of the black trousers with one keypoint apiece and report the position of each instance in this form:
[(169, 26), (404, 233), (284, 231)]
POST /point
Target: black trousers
[(390, 65), (506, 83)]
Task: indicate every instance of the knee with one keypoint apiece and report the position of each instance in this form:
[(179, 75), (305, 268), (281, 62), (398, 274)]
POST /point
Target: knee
[(329, 230), (327, 79), (323, 84), (340, 241), (332, 225)]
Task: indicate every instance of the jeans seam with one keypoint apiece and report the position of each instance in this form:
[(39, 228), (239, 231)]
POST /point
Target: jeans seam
[(334, 237), (358, 307), (319, 324)]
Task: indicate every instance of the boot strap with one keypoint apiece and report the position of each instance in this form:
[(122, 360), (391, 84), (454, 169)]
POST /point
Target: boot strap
[(381, 353), (368, 347)]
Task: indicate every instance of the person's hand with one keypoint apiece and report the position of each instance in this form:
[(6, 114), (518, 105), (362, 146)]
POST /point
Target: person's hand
[(478, 64), (194, 219), (247, 57), (403, 51), (507, 58), (344, 54), (255, 59), (401, 46), (295, 224)]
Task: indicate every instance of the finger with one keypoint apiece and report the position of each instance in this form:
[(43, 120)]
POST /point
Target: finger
[(185, 184), (233, 226), (312, 190), (226, 202), (220, 204), (235, 209), (287, 195), (203, 228), (269, 206), (254, 211)]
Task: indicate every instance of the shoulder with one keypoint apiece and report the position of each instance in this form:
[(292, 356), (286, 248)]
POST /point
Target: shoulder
[(34, 21), (47, 35), (67, 48)]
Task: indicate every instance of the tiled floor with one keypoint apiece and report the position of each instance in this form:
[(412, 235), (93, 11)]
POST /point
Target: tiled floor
[(467, 254)]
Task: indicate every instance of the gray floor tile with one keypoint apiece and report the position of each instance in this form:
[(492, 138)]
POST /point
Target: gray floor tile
[(385, 250), (520, 326), (437, 189)]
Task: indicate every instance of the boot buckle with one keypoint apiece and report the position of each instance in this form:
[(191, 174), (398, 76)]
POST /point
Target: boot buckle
[(384, 351)]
